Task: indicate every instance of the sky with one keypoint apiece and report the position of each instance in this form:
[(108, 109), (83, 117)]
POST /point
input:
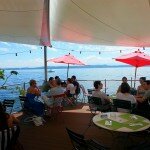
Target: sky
[(88, 54)]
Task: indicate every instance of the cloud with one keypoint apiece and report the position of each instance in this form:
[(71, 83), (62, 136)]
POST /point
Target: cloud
[(31, 47), (52, 49), (22, 63), (94, 60), (6, 43), (4, 49)]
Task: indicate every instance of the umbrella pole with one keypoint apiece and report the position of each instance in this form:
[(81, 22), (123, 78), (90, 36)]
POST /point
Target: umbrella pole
[(67, 71), (45, 62), (135, 76)]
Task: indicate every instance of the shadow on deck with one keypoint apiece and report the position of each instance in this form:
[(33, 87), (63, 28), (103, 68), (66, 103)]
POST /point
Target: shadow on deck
[(53, 134)]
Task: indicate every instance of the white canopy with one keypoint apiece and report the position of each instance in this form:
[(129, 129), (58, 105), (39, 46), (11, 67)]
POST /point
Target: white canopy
[(108, 22), (24, 21)]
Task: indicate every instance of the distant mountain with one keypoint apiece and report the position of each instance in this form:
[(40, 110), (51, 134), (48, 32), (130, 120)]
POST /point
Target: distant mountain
[(71, 66)]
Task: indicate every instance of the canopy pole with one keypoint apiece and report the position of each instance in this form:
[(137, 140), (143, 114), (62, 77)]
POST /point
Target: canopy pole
[(67, 71), (135, 76), (45, 62)]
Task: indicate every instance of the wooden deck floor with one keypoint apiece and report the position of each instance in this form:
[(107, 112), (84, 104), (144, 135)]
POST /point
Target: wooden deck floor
[(53, 135)]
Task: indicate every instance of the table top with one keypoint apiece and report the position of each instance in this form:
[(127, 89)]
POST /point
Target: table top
[(122, 122)]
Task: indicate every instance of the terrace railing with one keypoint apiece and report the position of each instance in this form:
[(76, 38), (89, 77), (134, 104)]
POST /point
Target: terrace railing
[(109, 86)]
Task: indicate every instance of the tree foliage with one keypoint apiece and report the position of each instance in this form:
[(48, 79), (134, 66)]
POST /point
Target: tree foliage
[(2, 74), (5, 78)]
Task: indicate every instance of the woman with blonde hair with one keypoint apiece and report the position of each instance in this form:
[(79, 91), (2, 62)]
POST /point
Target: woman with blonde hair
[(33, 92)]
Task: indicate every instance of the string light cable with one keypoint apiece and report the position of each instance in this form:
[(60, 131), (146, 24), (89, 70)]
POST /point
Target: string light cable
[(73, 50), (95, 51), (19, 52)]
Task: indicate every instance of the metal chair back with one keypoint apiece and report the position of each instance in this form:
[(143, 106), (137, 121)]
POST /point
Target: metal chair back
[(79, 143), (119, 103), (77, 140), (95, 104), (22, 100), (8, 105), (9, 137)]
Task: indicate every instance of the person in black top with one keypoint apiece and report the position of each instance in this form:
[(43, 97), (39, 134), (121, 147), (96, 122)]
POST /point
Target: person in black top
[(76, 84)]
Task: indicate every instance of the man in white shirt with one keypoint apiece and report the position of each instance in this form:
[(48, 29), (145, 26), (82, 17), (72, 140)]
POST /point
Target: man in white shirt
[(98, 93), (70, 89), (53, 91)]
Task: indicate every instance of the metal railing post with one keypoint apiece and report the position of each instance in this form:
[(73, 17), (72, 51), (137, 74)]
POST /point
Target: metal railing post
[(24, 86), (105, 85)]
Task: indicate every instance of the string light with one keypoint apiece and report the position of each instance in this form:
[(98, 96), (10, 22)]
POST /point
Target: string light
[(30, 51), (16, 53), (19, 52), (90, 51)]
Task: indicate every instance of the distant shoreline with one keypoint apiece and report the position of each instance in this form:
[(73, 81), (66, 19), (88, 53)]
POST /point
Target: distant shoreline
[(71, 66)]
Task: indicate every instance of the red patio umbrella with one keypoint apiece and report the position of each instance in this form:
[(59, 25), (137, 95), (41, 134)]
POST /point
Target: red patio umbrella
[(136, 59), (67, 59)]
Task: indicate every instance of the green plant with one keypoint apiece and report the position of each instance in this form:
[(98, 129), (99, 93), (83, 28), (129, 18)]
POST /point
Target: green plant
[(2, 74), (5, 78)]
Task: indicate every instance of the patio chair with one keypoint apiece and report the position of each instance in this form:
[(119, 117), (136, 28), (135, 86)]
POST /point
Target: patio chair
[(84, 93), (57, 107), (145, 135), (8, 105), (119, 103), (143, 109), (90, 91), (33, 105), (133, 91), (80, 143), (22, 100), (140, 146), (95, 104), (9, 138)]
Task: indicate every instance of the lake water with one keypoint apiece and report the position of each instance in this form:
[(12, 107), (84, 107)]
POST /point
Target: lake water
[(81, 73)]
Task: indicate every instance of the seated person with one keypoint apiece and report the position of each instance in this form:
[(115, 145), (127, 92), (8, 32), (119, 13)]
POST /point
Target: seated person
[(76, 84), (57, 77), (45, 86), (143, 107), (48, 100), (124, 80), (52, 82), (98, 93), (140, 88), (34, 92), (64, 84), (124, 94), (48, 85), (6, 120), (70, 89)]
